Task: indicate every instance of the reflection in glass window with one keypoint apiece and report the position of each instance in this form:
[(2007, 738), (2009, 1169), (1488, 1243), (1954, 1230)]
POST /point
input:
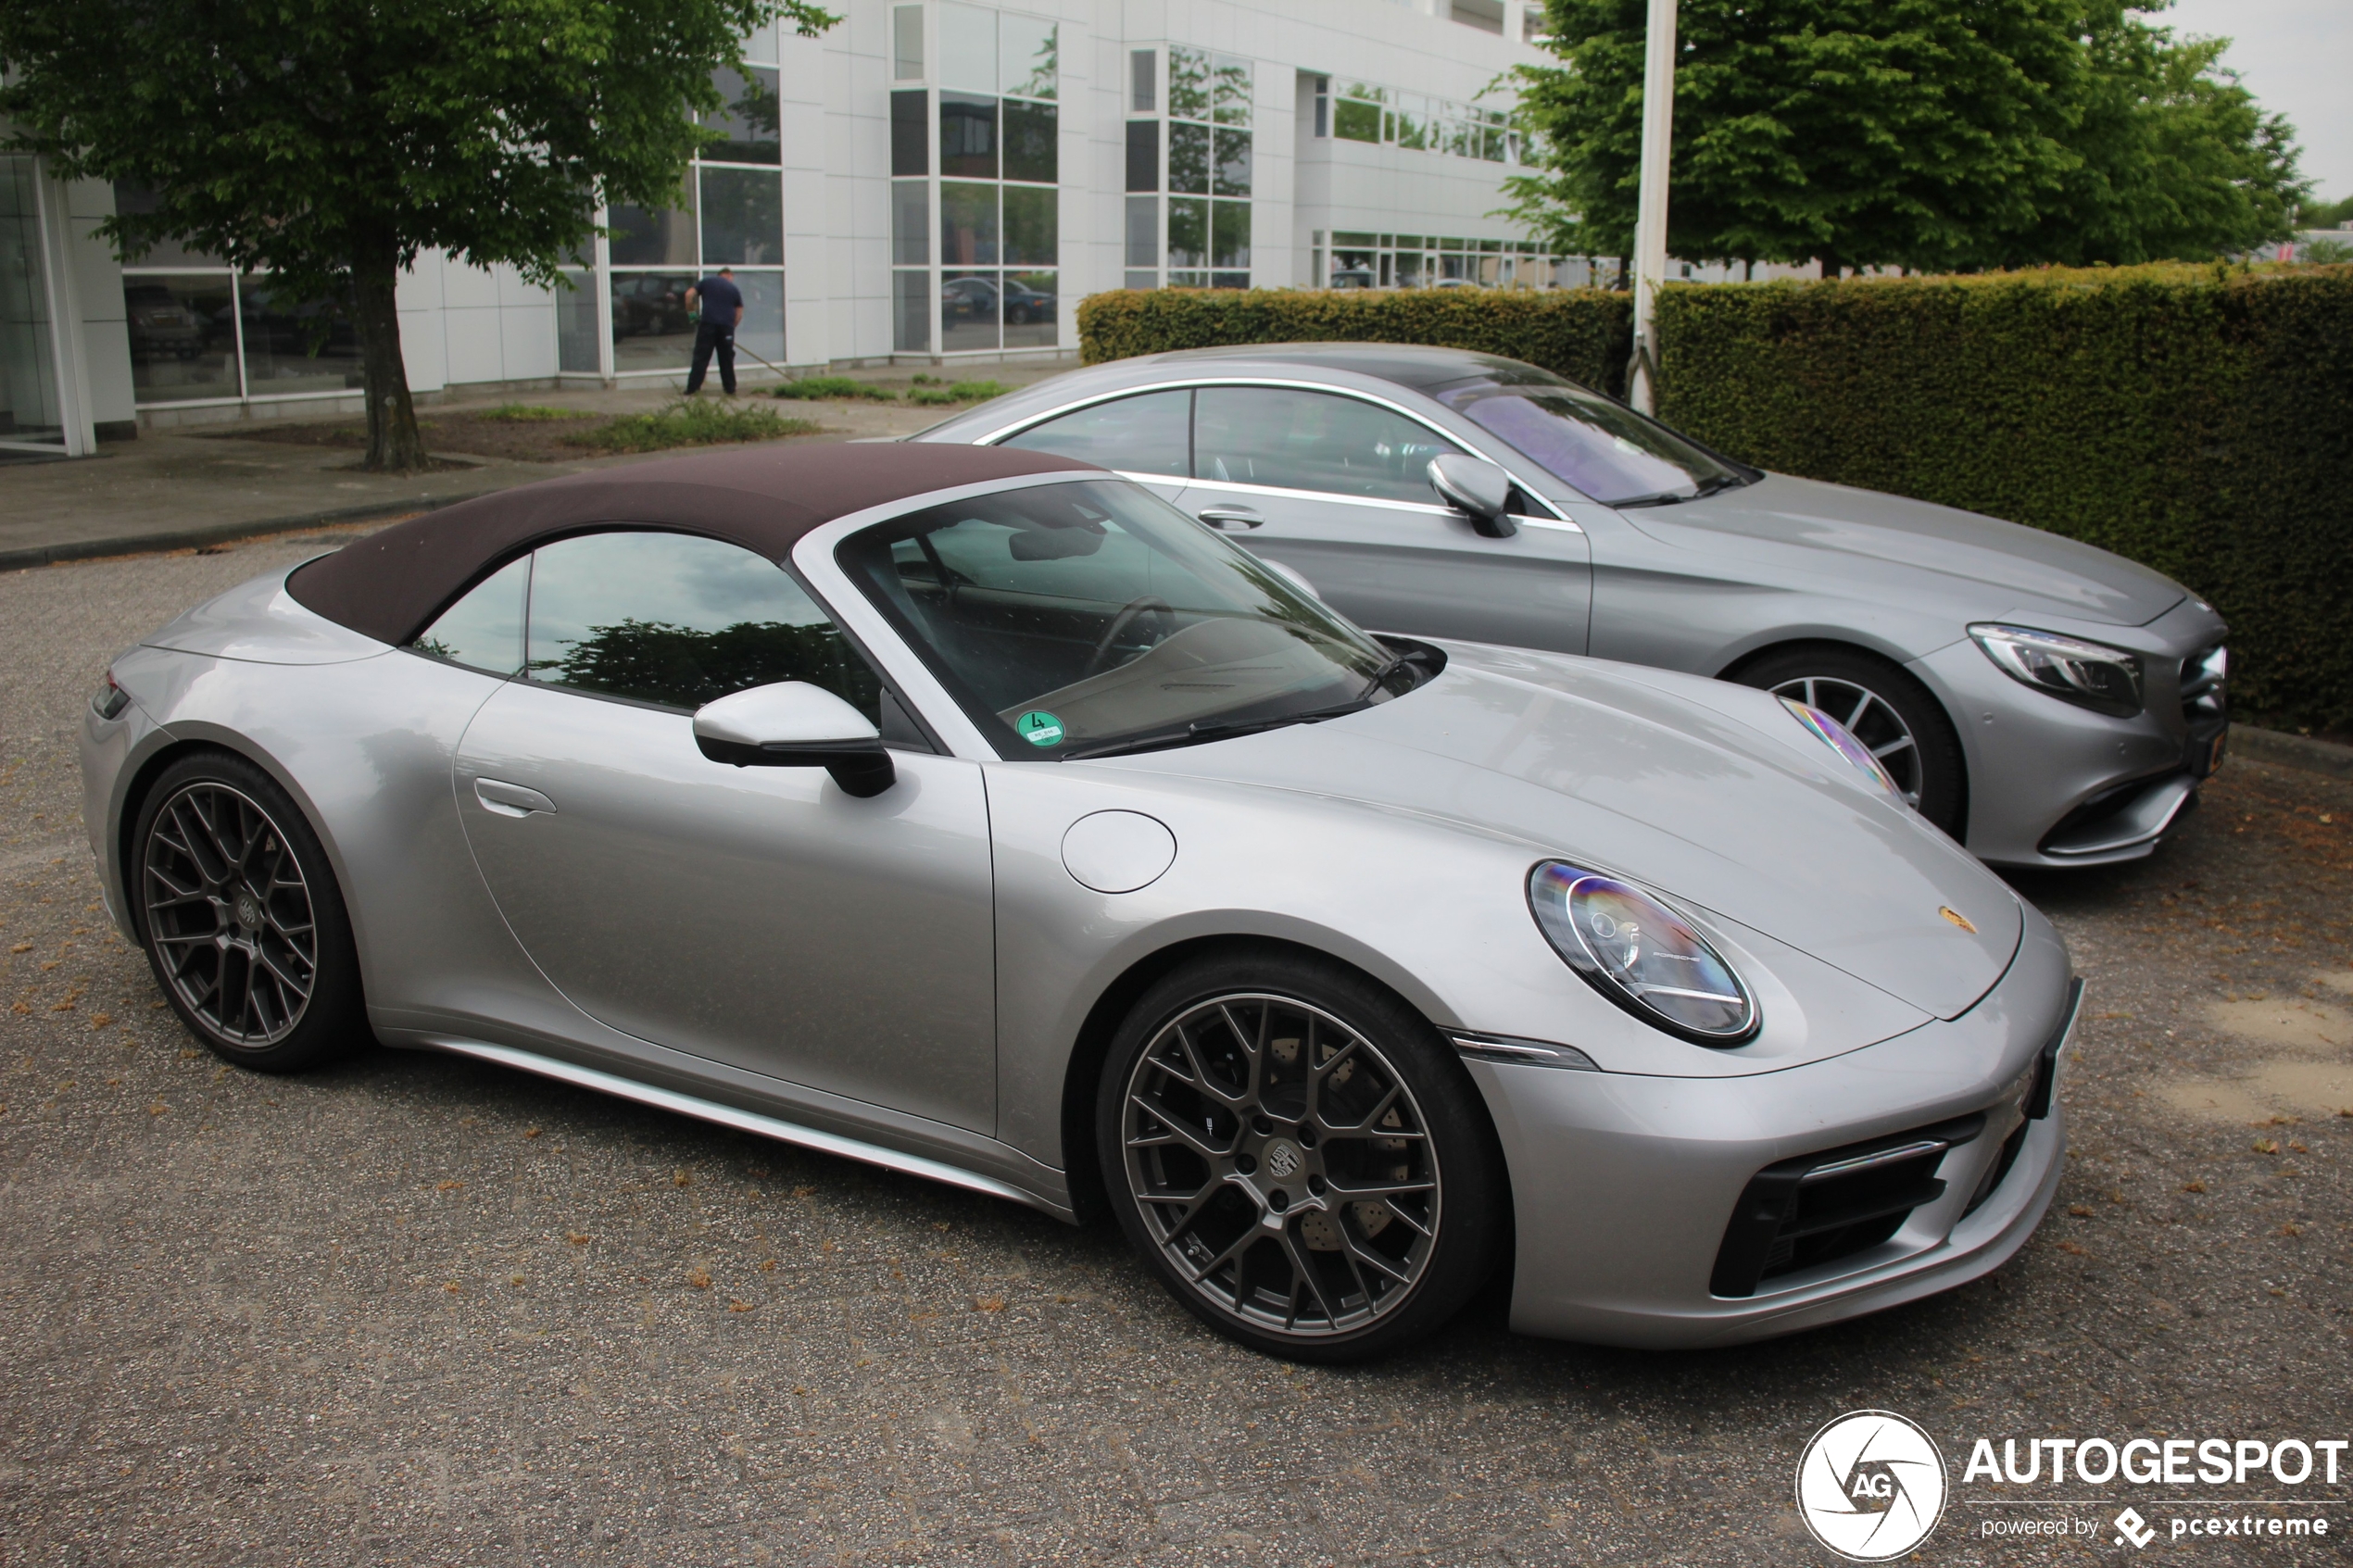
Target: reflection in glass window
[(1231, 172), (1028, 56), (743, 218), (748, 125), (1312, 441), (1187, 231), (967, 224), (295, 345), (1029, 141), (1144, 232), (1229, 235), (679, 621), (654, 236), (484, 629), (1189, 83), (651, 329), (967, 136), (910, 222), (1030, 310), (1356, 117), (1143, 155), (1030, 225), (1232, 90), (576, 324), (762, 330), (1149, 434), (968, 311), (1189, 159), (1143, 72), (911, 312), (183, 336), (911, 132)]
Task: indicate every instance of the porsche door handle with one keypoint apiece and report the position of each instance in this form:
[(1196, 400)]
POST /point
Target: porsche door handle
[(510, 800), (1231, 519)]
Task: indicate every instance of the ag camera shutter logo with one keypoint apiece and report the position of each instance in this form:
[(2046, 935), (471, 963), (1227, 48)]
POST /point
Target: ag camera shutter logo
[(1870, 1485)]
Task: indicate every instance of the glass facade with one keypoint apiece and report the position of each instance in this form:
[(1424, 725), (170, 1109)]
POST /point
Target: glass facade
[(976, 185), (31, 409), (1364, 111), (1200, 153), (1406, 262)]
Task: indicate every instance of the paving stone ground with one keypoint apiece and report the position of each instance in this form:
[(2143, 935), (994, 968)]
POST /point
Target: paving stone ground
[(422, 1310)]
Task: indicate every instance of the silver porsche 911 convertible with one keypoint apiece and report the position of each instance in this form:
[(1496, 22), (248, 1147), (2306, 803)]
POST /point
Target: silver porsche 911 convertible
[(973, 812)]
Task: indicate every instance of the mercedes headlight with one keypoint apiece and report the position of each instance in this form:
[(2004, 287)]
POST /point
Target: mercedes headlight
[(1840, 739), (2091, 675), (1639, 954)]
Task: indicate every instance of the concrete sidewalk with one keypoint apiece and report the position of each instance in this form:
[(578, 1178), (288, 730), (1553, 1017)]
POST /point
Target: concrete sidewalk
[(173, 489)]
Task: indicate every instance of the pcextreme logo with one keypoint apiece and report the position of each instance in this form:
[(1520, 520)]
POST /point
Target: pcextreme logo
[(1870, 1485)]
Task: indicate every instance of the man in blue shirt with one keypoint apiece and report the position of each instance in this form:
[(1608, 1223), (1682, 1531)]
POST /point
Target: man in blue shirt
[(722, 311)]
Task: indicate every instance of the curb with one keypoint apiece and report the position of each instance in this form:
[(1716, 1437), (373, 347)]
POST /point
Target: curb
[(221, 533), (2284, 750)]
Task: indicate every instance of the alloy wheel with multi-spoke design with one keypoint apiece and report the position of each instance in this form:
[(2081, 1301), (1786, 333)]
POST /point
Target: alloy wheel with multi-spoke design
[(1869, 718), (229, 915), (1281, 1165)]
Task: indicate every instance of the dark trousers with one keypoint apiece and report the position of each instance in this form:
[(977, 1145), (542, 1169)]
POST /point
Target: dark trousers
[(708, 337)]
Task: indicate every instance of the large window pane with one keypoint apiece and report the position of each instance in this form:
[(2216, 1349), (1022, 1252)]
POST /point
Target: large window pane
[(295, 345), (576, 324), (1312, 441), (129, 199), (750, 122), (1143, 70), (1229, 236), (1028, 57), (183, 337), (1356, 115), (911, 132), (967, 136), (650, 328), (1150, 433), (743, 218), (911, 312), (1030, 225), (1230, 175), (1029, 141), (1143, 231), (1187, 231), (968, 311), (1233, 90), (911, 222), (681, 620), (1030, 312), (967, 224), (907, 44), (653, 236), (1189, 83), (1189, 159), (967, 48), (762, 331), (1143, 155)]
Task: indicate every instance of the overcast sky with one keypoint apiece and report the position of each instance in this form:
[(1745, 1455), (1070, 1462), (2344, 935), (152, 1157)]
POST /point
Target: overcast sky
[(2297, 57)]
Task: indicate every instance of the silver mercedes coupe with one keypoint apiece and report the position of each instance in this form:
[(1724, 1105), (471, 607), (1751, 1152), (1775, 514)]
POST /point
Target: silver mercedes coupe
[(2047, 703), (974, 812)]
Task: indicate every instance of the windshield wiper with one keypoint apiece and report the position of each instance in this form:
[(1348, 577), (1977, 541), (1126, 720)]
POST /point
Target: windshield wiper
[(1216, 729), (1708, 486)]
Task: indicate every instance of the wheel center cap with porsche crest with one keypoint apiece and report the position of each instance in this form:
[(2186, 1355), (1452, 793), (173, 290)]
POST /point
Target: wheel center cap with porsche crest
[(1283, 1160)]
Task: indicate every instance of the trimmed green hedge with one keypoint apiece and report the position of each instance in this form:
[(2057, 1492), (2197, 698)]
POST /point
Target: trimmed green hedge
[(1581, 333), (2194, 419), (2198, 419)]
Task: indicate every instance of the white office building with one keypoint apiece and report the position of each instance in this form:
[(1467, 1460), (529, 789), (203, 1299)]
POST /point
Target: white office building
[(928, 182)]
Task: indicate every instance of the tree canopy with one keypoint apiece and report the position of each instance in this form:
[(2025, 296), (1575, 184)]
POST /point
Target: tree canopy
[(328, 141), (1921, 134)]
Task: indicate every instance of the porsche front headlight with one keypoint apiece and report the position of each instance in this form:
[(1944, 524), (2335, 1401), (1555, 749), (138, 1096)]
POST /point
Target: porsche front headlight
[(1840, 739), (2091, 675), (1641, 955)]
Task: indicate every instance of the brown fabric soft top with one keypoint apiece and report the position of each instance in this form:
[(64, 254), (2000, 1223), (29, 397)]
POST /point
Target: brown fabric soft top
[(390, 585)]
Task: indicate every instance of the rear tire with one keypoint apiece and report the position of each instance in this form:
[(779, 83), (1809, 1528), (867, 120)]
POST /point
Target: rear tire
[(237, 907), (1300, 1157), (1888, 710)]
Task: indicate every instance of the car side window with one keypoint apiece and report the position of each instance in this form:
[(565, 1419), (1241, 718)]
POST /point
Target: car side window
[(678, 620), (1146, 433), (483, 629), (1312, 441)]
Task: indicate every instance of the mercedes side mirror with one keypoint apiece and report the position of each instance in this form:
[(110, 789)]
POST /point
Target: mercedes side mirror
[(1476, 488), (794, 724)]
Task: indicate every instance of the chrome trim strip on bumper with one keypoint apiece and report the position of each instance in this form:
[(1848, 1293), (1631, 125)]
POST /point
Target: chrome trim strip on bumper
[(730, 1116)]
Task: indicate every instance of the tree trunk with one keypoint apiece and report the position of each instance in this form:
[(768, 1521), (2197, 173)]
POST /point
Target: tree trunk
[(392, 442)]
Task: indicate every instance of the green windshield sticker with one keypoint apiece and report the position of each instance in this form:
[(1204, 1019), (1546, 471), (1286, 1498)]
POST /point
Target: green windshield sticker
[(1040, 727)]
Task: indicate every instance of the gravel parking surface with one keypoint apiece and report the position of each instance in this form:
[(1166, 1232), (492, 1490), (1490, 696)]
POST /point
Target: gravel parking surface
[(417, 1310)]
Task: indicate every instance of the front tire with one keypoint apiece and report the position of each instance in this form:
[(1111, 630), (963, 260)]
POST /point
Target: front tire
[(1885, 709), (1299, 1158), (241, 918)]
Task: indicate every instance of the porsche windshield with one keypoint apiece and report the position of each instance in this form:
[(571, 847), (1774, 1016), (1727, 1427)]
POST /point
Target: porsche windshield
[(1604, 448), (1091, 616)]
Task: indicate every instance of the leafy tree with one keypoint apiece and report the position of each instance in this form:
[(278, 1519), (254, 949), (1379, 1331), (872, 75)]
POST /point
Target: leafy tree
[(330, 141), (2325, 215), (1921, 134)]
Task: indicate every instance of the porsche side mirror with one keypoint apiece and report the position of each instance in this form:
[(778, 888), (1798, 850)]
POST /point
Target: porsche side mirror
[(1476, 488), (794, 724)]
